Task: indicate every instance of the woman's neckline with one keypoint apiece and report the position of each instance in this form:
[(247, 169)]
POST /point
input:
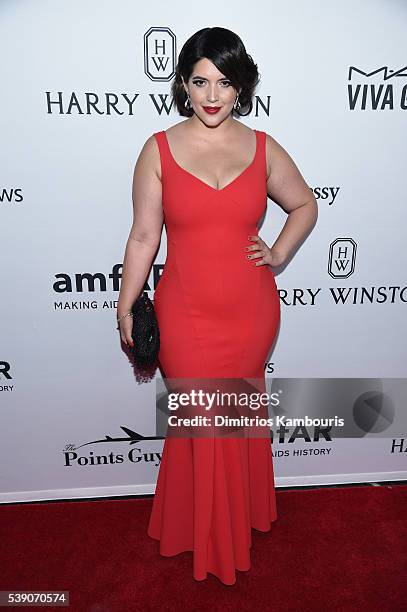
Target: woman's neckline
[(187, 172)]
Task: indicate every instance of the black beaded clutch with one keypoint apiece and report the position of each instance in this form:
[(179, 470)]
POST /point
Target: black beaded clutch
[(145, 332)]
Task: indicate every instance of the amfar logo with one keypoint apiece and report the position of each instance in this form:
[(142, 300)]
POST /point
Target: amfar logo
[(159, 54), (375, 95), (5, 375), (97, 281), (342, 255), (5, 370)]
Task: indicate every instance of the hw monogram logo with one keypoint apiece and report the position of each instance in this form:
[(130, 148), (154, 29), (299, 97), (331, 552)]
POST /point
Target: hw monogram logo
[(159, 54), (342, 255)]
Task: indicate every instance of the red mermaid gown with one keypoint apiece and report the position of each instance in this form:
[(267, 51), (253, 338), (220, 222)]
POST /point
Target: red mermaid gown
[(218, 315)]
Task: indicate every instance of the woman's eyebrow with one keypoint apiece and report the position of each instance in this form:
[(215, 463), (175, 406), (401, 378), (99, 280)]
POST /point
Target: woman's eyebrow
[(196, 76)]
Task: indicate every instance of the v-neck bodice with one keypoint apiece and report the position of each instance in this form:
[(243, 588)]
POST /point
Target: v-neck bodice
[(187, 199), (178, 166)]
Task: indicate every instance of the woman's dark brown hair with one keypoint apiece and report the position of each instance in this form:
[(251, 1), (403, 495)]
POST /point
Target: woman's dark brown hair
[(227, 52)]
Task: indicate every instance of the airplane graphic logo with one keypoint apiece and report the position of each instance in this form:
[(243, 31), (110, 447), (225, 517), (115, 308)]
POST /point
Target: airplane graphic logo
[(132, 437)]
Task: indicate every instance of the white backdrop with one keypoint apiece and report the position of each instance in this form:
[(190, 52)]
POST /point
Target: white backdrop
[(84, 84)]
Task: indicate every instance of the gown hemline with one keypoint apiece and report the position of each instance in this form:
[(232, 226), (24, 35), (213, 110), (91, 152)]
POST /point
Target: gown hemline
[(168, 555)]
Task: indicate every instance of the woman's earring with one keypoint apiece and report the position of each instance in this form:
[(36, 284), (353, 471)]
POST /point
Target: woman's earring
[(188, 103), (237, 104)]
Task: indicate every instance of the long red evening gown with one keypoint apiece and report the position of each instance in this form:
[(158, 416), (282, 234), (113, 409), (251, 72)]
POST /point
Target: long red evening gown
[(218, 315)]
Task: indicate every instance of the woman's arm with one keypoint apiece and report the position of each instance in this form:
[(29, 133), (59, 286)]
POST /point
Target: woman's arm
[(287, 187), (145, 233)]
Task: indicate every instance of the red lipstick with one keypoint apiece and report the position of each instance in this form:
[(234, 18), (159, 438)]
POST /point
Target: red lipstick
[(211, 109)]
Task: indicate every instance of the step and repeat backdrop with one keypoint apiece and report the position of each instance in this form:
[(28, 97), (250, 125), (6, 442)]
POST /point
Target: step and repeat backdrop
[(84, 84)]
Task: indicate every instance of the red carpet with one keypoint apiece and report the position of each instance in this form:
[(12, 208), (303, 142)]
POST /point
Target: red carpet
[(330, 549)]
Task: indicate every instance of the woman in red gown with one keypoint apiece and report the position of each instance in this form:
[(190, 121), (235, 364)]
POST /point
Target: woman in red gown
[(217, 302)]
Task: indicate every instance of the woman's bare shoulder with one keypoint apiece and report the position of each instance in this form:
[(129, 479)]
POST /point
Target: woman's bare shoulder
[(149, 149), (150, 153), (148, 159), (271, 141), (274, 152)]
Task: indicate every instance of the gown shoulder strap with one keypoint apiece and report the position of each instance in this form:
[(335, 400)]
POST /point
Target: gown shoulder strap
[(262, 158), (163, 148)]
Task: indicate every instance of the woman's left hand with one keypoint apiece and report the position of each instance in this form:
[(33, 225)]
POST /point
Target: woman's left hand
[(264, 254)]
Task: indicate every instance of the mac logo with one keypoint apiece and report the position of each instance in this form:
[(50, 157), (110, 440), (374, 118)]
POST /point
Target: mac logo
[(387, 73), (378, 89), (159, 54)]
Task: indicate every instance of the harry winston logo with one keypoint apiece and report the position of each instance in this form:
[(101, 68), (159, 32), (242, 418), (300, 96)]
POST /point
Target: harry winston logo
[(159, 54), (342, 255)]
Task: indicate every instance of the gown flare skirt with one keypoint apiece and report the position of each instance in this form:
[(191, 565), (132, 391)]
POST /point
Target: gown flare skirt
[(218, 316)]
